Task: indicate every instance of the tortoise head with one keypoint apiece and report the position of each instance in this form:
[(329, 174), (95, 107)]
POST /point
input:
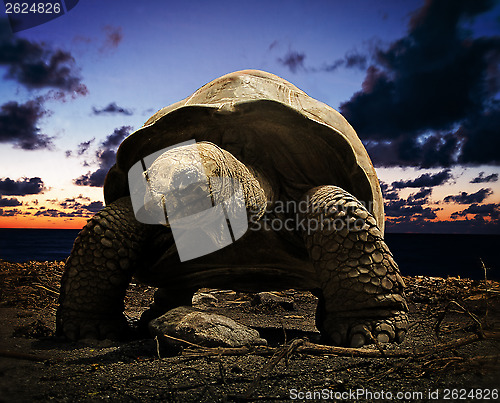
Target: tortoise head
[(190, 179)]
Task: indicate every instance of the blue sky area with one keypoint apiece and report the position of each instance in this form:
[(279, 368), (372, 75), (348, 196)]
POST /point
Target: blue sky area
[(418, 80)]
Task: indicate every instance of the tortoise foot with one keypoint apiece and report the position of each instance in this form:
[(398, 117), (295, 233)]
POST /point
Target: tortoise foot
[(75, 326), (358, 331)]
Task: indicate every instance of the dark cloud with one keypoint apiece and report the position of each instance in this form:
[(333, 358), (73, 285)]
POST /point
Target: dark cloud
[(19, 125), (481, 138), (69, 203), (94, 206), (388, 193), (424, 180), (480, 211), (112, 108), (57, 213), (115, 138), (409, 208), (273, 44), (483, 179), (10, 213), (12, 202), (422, 194), (79, 209), (423, 86), (106, 157), (114, 36), (35, 65), (293, 60), (21, 187), (350, 60), (468, 198), (84, 146)]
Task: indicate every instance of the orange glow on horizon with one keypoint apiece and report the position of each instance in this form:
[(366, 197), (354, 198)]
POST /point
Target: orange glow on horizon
[(42, 222)]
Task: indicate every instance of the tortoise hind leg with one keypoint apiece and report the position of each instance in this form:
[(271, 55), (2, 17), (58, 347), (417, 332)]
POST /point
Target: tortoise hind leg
[(362, 290), (98, 272)]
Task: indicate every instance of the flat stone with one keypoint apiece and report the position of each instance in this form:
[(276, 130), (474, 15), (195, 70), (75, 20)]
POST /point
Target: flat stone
[(202, 328), (270, 298), (204, 298)]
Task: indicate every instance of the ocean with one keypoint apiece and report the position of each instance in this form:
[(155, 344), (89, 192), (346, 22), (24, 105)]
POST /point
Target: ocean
[(416, 254)]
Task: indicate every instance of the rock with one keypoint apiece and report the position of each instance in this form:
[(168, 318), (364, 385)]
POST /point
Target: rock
[(271, 299), (203, 298), (202, 328)]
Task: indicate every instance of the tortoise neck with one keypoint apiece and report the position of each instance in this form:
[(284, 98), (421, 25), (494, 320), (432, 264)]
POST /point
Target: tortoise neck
[(264, 181)]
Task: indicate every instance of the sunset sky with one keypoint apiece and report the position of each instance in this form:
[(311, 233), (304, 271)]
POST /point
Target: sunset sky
[(418, 80)]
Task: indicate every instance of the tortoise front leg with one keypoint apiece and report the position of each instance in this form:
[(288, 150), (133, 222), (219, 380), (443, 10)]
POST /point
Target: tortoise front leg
[(362, 290), (97, 273)]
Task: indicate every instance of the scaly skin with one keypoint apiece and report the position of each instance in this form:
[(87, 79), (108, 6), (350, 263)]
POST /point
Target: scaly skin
[(362, 290), (98, 272)]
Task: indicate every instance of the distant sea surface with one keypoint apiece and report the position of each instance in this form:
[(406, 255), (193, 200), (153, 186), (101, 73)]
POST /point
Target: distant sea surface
[(416, 254)]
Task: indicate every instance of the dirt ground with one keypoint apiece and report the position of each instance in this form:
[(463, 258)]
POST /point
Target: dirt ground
[(452, 351)]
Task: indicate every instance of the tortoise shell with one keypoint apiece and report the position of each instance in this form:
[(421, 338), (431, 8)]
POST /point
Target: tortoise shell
[(267, 123)]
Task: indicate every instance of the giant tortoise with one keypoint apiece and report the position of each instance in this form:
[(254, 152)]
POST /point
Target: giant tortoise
[(297, 161)]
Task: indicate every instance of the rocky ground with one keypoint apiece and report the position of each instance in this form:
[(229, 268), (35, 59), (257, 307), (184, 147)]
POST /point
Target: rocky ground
[(452, 351)]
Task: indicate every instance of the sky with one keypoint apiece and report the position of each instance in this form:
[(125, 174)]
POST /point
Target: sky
[(418, 80)]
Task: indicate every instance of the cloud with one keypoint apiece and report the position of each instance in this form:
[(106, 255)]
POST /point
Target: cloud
[(480, 211), (293, 60), (273, 44), (409, 208), (80, 209), (428, 98), (18, 125), (350, 60), (12, 202), (422, 194), (21, 187), (114, 36), (388, 194), (10, 213), (112, 108), (413, 208), (57, 213), (106, 157), (483, 179), (424, 180), (94, 206), (36, 66), (481, 138), (468, 198), (84, 146)]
